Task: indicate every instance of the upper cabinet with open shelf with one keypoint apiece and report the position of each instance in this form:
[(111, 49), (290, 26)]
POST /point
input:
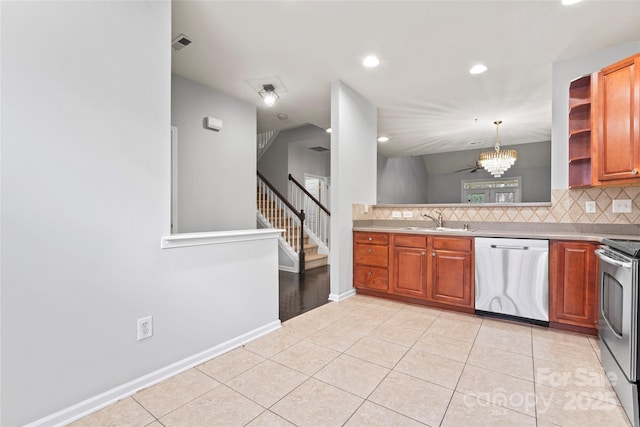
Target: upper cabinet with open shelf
[(580, 111), (604, 126)]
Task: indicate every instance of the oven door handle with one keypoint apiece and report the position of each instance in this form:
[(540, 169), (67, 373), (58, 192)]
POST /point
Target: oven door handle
[(601, 254), (613, 331)]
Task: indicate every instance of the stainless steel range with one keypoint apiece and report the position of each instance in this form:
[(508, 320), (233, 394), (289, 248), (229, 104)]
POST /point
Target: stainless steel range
[(618, 320)]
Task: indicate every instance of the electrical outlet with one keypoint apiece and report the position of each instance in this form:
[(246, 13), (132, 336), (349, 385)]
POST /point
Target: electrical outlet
[(396, 214), (590, 207), (407, 214), (145, 327), (621, 206)]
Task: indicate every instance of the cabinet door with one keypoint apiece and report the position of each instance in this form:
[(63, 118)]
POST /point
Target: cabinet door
[(409, 272), (451, 278), (573, 283), (618, 122)]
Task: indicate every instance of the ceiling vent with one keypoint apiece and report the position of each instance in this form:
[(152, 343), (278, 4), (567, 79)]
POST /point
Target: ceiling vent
[(319, 149), (180, 42)]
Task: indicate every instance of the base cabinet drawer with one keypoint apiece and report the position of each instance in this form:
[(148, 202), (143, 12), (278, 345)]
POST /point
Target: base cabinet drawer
[(374, 255), (371, 278)]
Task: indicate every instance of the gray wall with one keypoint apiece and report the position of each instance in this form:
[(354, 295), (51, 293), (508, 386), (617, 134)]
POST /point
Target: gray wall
[(85, 200), (563, 73), (216, 170), (303, 160), (402, 180), (533, 165), (289, 153), (353, 176)]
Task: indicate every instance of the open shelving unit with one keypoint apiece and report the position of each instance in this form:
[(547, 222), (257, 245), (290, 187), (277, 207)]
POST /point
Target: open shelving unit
[(580, 132)]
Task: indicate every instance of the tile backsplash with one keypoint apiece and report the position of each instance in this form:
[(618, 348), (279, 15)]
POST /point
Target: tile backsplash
[(567, 206)]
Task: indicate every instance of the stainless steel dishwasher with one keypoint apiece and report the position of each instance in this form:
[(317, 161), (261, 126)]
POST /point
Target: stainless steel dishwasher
[(512, 278)]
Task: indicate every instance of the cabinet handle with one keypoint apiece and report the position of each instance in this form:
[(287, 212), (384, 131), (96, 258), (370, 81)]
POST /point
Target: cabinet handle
[(423, 252), (369, 273), (370, 250), (635, 171), (433, 254), (370, 238)]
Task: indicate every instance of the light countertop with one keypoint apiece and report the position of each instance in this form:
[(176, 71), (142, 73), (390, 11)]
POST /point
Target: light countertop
[(508, 230)]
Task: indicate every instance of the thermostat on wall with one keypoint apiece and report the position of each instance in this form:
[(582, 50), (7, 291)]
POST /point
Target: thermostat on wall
[(213, 123)]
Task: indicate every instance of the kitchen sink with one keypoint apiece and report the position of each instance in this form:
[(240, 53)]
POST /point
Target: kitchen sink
[(449, 229), (462, 230)]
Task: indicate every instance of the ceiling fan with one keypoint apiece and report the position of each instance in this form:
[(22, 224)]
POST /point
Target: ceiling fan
[(471, 168)]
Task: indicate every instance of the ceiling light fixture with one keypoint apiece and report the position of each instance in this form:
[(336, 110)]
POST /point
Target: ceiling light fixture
[(383, 139), (478, 69), (269, 95), (570, 2), (498, 161), (371, 61)]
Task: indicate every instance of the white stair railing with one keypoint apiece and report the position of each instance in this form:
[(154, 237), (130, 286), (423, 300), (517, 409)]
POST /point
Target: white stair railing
[(264, 139), (277, 212), (317, 216)]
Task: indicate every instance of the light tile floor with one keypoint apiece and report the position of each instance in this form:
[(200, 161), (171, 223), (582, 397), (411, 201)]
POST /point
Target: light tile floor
[(374, 362)]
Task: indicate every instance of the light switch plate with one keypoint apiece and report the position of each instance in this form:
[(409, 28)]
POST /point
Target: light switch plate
[(590, 207), (396, 214), (621, 206), (407, 214)]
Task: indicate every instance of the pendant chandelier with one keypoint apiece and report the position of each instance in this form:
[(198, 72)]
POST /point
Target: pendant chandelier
[(496, 162)]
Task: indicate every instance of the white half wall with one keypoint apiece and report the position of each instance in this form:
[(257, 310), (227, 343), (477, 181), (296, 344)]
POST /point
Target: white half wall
[(85, 201), (216, 170), (353, 176)]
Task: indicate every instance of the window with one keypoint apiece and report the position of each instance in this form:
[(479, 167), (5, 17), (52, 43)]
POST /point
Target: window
[(491, 191)]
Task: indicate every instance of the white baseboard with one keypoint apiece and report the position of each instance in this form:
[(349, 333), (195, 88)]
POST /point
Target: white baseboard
[(343, 296), (93, 404), (288, 268)]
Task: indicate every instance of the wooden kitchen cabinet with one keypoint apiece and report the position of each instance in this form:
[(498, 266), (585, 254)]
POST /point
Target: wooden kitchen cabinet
[(371, 261), (580, 112), (617, 157), (416, 268), (573, 286), (451, 273), (409, 265)]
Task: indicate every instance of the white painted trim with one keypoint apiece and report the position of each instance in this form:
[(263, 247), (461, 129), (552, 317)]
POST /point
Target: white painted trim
[(174, 181), (93, 404), (343, 296), (217, 237), (282, 244)]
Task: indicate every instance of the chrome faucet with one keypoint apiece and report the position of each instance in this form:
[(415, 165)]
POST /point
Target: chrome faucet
[(437, 220)]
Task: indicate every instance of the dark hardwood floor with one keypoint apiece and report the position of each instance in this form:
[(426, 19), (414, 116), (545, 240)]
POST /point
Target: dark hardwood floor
[(301, 293)]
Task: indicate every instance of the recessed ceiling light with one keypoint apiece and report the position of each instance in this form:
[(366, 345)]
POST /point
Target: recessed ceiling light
[(371, 61), (476, 142), (283, 116), (478, 69), (569, 2), (328, 130), (383, 139)]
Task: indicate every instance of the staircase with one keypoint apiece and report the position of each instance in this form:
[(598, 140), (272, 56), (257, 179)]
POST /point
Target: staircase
[(274, 211), (313, 259)]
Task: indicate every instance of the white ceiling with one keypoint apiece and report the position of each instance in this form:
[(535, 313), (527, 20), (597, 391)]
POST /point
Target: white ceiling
[(427, 101)]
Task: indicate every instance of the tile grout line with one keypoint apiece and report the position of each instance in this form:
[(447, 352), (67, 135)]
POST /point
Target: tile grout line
[(462, 372)]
